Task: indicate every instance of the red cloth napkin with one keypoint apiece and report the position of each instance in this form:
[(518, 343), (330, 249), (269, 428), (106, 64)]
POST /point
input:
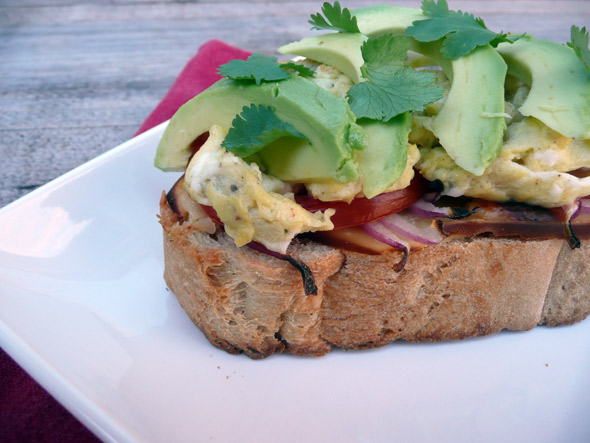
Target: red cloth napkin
[(27, 412)]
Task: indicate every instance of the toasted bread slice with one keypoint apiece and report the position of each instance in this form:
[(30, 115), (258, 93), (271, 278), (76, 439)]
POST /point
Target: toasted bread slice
[(245, 301)]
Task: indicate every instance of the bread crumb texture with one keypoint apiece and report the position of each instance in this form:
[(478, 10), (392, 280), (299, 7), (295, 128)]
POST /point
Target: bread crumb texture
[(245, 301)]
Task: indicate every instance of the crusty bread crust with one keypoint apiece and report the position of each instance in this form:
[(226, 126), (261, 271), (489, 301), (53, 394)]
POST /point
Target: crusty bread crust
[(245, 301)]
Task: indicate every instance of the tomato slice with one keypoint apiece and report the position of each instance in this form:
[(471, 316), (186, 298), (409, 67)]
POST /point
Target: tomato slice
[(360, 210), (212, 214), (364, 210)]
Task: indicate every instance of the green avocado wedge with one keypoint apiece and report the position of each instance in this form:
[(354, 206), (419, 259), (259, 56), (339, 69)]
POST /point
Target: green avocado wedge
[(384, 19), (384, 160), (560, 85), (471, 123), (343, 50), (340, 50), (326, 120)]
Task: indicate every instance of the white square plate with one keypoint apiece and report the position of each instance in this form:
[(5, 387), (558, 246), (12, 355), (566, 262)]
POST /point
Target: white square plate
[(85, 310)]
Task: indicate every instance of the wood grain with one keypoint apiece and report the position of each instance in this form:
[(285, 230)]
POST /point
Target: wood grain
[(78, 78)]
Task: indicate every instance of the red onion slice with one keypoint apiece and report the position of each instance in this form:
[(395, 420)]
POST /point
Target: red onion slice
[(425, 209), (573, 210), (385, 235), (585, 205), (309, 285), (413, 229)]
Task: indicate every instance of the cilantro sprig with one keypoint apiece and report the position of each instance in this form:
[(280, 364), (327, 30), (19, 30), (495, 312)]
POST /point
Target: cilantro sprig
[(256, 127), (337, 19), (257, 67), (462, 31), (579, 43), (302, 70), (390, 87), (261, 68)]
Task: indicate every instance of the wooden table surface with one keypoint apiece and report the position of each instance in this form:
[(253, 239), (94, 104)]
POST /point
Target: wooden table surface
[(77, 78)]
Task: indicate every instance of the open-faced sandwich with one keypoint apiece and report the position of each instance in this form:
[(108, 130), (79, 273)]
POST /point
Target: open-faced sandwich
[(411, 175)]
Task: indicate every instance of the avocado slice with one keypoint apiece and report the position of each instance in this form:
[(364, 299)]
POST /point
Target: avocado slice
[(326, 120), (340, 50), (343, 50), (384, 160), (471, 123), (384, 19), (560, 85)]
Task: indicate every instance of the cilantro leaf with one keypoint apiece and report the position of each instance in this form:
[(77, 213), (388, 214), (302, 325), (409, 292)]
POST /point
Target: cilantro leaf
[(502, 37), (462, 31), (403, 90), (257, 67), (256, 127), (579, 43), (303, 71), (384, 51), (390, 87), (337, 19), (432, 9)]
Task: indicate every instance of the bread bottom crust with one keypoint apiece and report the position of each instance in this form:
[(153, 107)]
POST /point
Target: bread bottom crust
[(245, 301)]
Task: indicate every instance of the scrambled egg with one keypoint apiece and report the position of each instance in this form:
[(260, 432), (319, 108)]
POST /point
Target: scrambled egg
[(348, 191), (329, 78), (328, 192), (408, 174), (251, 205), (533, 167)]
